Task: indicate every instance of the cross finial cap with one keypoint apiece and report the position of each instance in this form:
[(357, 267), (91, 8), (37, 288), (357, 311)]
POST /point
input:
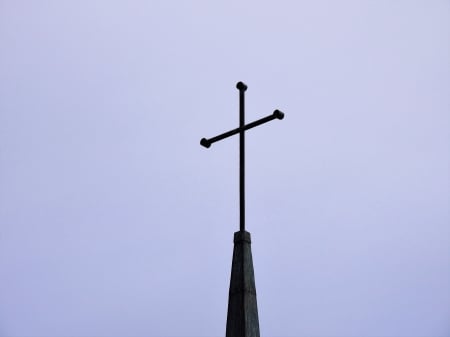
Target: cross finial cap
[(241, 86)]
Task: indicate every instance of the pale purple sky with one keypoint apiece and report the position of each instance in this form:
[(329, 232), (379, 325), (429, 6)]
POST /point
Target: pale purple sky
[(115, 222)]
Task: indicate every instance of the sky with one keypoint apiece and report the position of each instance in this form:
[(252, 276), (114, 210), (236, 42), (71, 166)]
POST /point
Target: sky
[(115, 222)]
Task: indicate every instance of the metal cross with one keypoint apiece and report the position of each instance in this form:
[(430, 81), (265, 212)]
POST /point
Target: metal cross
[(277, 114)]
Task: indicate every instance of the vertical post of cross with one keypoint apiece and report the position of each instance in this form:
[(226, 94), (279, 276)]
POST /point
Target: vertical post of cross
[(242, 88)]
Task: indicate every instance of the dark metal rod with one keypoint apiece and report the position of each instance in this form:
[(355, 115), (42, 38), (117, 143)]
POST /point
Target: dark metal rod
[(242, 87), (277, 114)]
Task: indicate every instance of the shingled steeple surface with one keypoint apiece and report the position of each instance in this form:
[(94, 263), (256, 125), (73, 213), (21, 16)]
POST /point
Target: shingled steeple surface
[(242, 319)]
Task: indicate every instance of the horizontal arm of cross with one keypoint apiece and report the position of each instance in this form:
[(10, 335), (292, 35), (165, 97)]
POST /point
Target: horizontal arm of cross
[(277, 114)]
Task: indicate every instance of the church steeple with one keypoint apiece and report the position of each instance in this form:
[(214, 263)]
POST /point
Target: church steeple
[(242, 318)]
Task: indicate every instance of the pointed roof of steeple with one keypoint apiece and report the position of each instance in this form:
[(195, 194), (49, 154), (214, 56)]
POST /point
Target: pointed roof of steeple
[(242, 319)]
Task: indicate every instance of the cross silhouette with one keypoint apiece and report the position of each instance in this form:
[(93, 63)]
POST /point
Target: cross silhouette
[(277, 114)]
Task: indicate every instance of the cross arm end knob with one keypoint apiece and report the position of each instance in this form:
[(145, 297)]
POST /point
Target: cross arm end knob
[(204, 142), (278, 114)]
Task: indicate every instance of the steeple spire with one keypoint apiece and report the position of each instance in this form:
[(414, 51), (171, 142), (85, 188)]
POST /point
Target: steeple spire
[(242, 318)]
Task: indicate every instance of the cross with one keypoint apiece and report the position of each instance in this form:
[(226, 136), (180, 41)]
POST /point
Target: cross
[(277, 114)]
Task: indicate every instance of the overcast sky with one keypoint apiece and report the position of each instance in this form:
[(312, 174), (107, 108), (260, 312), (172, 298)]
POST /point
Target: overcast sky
[(115, 222)]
